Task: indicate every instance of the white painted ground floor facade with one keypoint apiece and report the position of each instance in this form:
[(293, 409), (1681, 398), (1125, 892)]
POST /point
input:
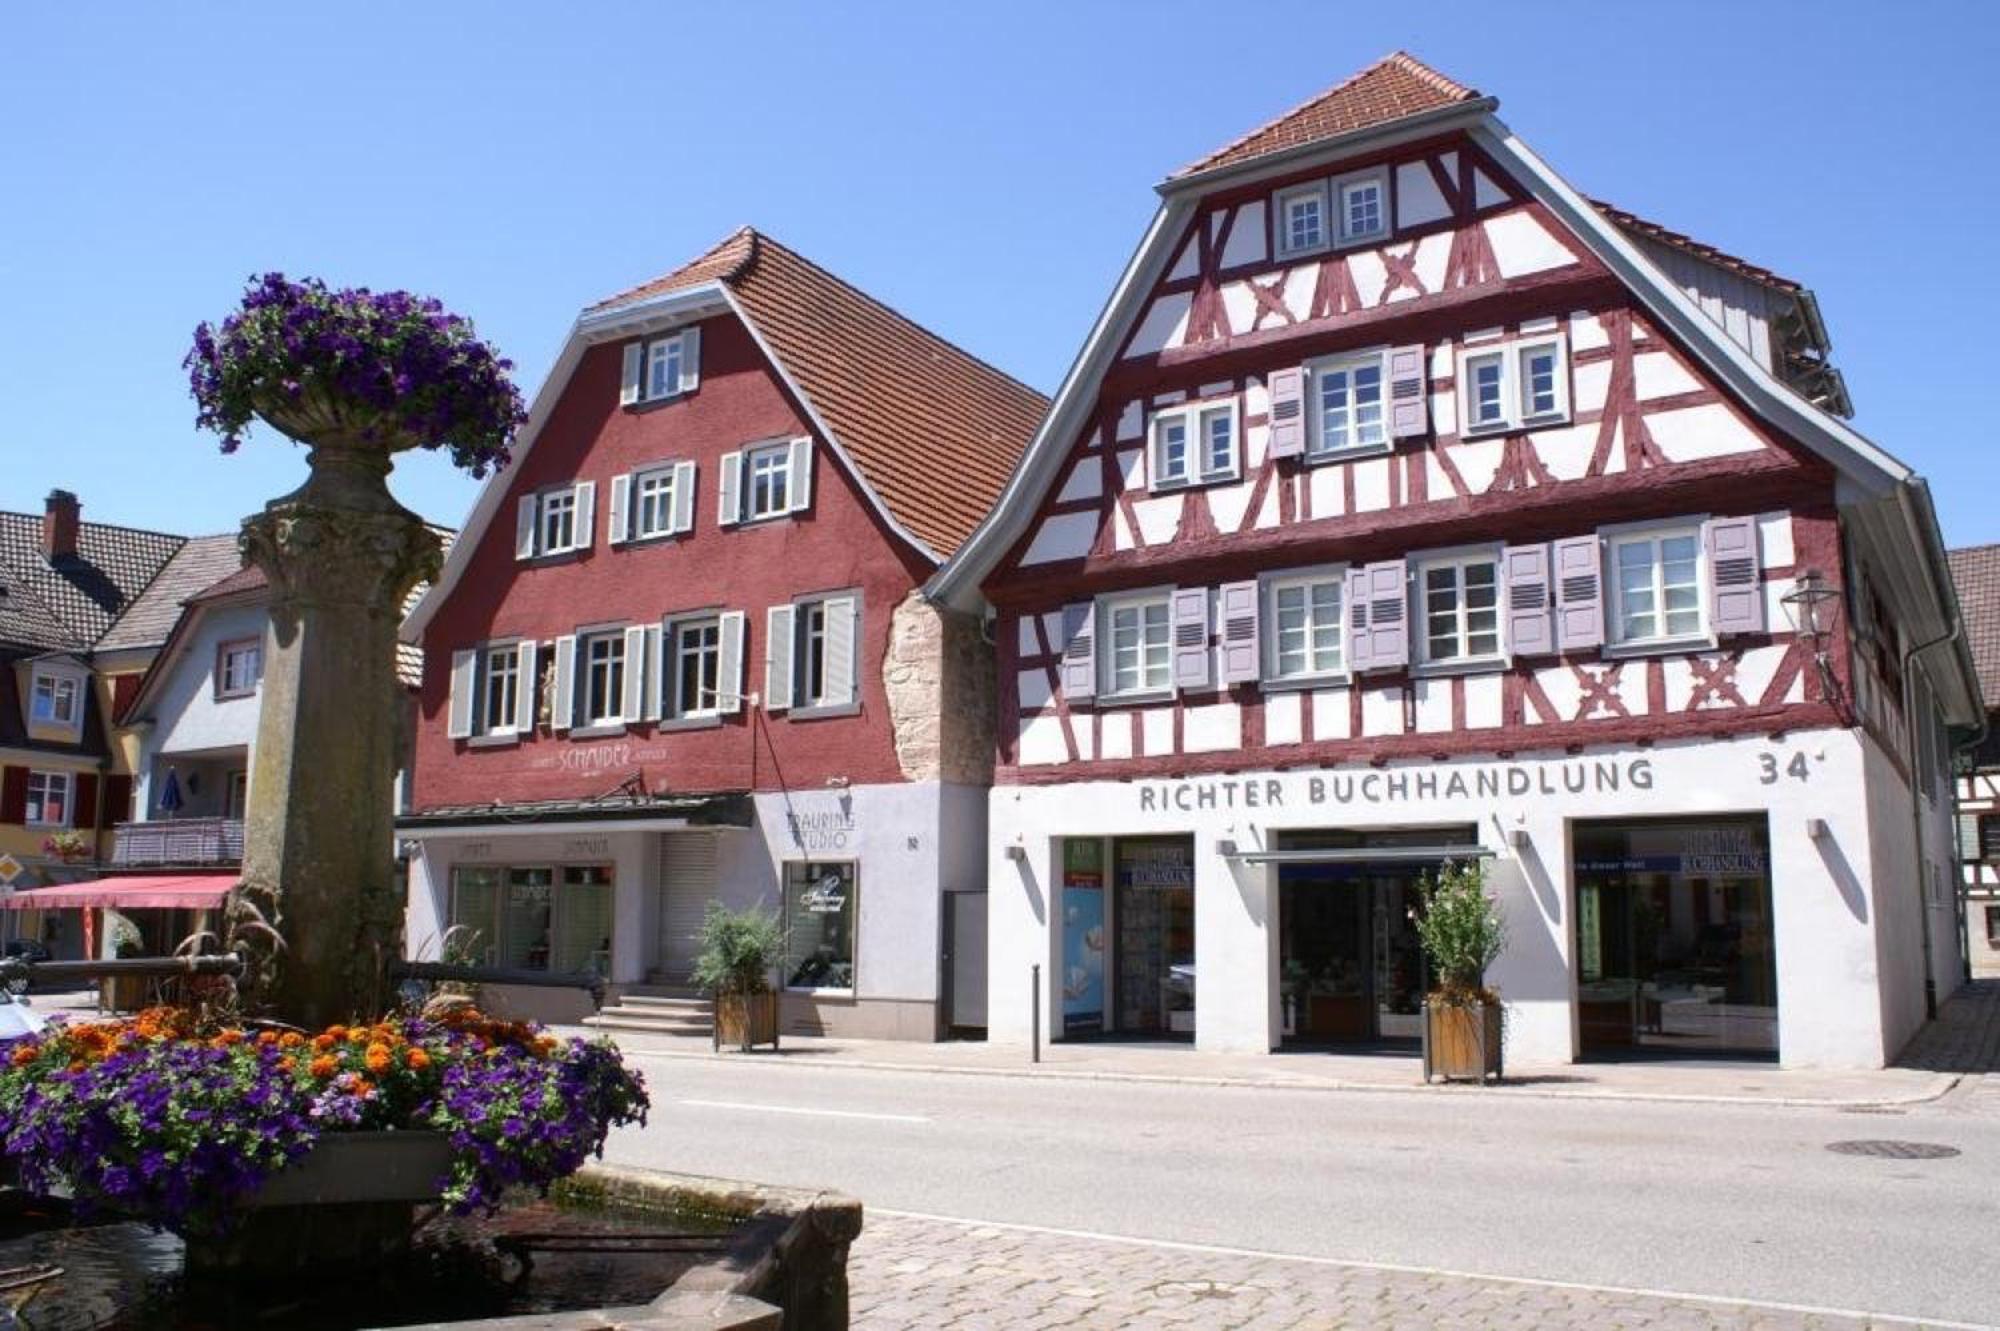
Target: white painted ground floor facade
[(858, 878), (1719, 897)]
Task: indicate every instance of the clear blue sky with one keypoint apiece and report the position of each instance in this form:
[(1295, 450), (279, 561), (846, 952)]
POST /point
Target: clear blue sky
[(985, 169)]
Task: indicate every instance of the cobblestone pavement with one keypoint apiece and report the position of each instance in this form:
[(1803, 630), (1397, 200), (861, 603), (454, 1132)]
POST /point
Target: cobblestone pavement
[(1965, 1037), (914, 1274)]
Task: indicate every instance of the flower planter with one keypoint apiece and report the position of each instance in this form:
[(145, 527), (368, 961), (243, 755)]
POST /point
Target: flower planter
[(745, 1020), (407, 1166), (1462, 1041)]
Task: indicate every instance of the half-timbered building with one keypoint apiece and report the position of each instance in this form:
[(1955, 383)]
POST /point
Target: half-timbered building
[(1976, 569), (1406, 504), (678, 655)]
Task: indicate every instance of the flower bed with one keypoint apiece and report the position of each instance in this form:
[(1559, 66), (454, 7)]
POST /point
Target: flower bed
[(161, 1118)]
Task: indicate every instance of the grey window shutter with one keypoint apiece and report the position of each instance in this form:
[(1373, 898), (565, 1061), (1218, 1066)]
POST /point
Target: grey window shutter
[(634, 701), (683, 496), (729, 508), (729, 663), (1524, 572), (1579, 579), (525, 515), (524, 688), (801, 479), (1388, 614), (1079, 653), (1193, 664), (1288, 412), (586, 513), (1242, 652), (464, 689), (690, 360), (842, 626), (1354, 603), (1735, 589), (656, 672), (1409, 414), (778, 649), (563, 712), (628, 392), (621, 508)]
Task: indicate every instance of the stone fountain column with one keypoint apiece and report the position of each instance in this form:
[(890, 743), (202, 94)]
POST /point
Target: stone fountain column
[(319, 851)]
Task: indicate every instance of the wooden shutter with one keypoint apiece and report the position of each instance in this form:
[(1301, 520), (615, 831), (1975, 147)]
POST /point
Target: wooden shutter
[(1241, 612), (564, 710), (525, 514), (633, 706), (1579, 579), (83, 808), (656, 671), (1409, 414), (690, 360), (628, 391), (1387, 590), (683, 496), (729, 663), (586, 514), (1193, 664), (124, 688), (778, 621), (729, 511), (1354, 608), (524, 688), (621, 509), (464, 689), (1288, 412), (1524, 573), (842, 625), (117, 799), (800, 488), (1079, 651), (1735, 589), (13, 794)]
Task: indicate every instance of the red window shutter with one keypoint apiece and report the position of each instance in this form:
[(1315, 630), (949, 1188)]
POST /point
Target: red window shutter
[(1241, 655), (1579, 577), (117, 800), (1735, 586), (84, 814), (1193, 667), (13, 794), (1288, 412), (1525, 574), (1409, 414), (124, 688)]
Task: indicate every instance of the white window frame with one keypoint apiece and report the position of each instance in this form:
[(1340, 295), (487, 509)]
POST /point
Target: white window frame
[(672, 706), (231, 651), (615, 666), (547, 505), (1517, 362), (1108, 608), (782, 451), (1609, 540), (1273, 676), (1420, 616), (662, 478), (1316, 446), (1281, 212), (1514, 413), (1337, 194), (673, 348), (489, 653), (36, 807), (1193, 418), (56, 681)]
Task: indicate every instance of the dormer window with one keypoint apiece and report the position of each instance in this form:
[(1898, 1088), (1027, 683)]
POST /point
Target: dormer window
[(57, 700), (1302, 219), (661, 368), (1364, 207)]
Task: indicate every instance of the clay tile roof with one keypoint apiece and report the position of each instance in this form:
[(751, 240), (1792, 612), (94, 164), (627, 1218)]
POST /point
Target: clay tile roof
[(69, 603), (1976, 572), (1639, 226), (935, 431), (150, 618), (1395, 86)]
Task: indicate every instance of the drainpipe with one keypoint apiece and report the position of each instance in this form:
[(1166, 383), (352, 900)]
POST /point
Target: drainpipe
[(1916, 797), (97, 814)]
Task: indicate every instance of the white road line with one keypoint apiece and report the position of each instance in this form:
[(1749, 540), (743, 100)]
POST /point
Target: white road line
[(1225, 1250), (794, 1109)]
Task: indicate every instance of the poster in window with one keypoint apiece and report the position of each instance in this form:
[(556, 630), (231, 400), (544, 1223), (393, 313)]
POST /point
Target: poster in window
[(1083, 935), (819, 925)]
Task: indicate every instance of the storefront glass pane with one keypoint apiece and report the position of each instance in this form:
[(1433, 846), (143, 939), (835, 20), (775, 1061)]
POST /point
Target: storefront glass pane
[(1155, 920), (583, 920), (475, 912), (819, 925), (1083, 935), (527, 917)]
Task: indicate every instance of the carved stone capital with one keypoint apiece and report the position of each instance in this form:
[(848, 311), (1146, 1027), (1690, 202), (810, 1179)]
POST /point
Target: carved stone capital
[(314, 555)]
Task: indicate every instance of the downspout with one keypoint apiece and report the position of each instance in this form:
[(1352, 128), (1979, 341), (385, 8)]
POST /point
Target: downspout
[(1917, 799)]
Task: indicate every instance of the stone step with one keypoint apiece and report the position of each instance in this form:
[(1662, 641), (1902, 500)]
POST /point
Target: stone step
[(651, 1020), (668, 1002)]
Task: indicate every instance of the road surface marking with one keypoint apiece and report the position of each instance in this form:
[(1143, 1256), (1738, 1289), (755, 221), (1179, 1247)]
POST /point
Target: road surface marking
[(1226, 1250), (816, 1113)]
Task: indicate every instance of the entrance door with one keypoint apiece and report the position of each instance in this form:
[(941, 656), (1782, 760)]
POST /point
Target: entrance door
[(686, 886), (1349, 961), (965, 960), (1155, 922)]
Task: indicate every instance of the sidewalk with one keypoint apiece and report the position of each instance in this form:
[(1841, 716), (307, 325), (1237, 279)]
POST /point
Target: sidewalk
[(1965, 1040)]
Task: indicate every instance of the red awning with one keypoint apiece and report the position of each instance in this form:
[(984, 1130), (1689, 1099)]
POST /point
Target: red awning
[(137, 892)]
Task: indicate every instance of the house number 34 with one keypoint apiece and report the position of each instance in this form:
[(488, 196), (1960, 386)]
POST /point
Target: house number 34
[(1797, 768)]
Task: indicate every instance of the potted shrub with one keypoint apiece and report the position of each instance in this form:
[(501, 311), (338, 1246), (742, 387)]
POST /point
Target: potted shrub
[(739, 950), (1459, 924)]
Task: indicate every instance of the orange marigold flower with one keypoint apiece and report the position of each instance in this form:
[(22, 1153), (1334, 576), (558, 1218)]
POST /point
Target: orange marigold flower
[(377, 1058), (323, 1066), (363, 1087), (24, 1054), (418, 1060), (334, 1033), (229, 1037), (267, 1038), (287, 1063), (291, 1040), (323, 1041)]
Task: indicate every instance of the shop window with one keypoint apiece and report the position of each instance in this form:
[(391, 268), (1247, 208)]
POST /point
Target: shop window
[(819, 924), (533, 917), (1155, 943)]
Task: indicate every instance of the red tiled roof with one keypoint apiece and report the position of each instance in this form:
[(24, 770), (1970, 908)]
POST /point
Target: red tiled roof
[(935, 431), (1976, 572), (1654, 231), (1395, 86)]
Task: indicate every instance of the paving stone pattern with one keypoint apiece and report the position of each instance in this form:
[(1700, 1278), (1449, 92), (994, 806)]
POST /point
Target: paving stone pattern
[(1965, 1038), (909, 1274)]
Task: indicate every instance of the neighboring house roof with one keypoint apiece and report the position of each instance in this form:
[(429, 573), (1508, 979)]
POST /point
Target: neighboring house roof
[(149, 620), (935, 430), (1653, 230), (1976, 570), (68, 603)]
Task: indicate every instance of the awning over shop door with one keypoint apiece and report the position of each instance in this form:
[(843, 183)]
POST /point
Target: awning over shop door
[(134, 892)]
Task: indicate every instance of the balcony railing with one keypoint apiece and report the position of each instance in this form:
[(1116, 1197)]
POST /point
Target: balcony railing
[(178, 841)]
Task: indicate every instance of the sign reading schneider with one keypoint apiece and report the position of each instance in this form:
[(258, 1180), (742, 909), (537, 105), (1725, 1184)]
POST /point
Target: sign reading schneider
[(1590, 776)]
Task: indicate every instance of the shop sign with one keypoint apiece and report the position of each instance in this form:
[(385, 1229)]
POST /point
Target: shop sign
[(581, 847), (1083, 862), (831, 829), (1165, 865), (1587, 776), (1696, 851), (826, 896), (612, 756)]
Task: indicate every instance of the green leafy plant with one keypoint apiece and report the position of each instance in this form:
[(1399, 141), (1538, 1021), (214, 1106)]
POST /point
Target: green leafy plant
[(1462, 931), (738, 950)]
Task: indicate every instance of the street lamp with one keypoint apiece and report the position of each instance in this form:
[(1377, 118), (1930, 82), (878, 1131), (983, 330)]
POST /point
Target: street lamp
[(1809, 605)]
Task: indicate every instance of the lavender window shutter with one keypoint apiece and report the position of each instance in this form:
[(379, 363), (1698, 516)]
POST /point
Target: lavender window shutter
[(1409, 416), (1388, 615), (1288, 412), (1360, 642), (1579, 576), (1525, 571), (1735, 589), (1079, 653), (1190, 623), (1241, 654)]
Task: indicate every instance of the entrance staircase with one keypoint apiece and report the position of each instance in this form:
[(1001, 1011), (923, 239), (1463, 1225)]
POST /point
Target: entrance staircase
[(660, 1009)]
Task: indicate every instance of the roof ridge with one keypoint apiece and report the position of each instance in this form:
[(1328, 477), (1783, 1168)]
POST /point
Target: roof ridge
[(638, 290)]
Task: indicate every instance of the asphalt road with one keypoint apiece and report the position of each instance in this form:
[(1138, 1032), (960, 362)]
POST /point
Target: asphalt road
[(1734, 1201)]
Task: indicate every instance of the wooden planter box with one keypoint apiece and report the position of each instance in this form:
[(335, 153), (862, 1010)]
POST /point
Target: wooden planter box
[(1462, 1043), (746, 1020)]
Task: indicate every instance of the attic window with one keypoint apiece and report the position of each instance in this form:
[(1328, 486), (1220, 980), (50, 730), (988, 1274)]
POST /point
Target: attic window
[(55, 699), (660, 368)]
